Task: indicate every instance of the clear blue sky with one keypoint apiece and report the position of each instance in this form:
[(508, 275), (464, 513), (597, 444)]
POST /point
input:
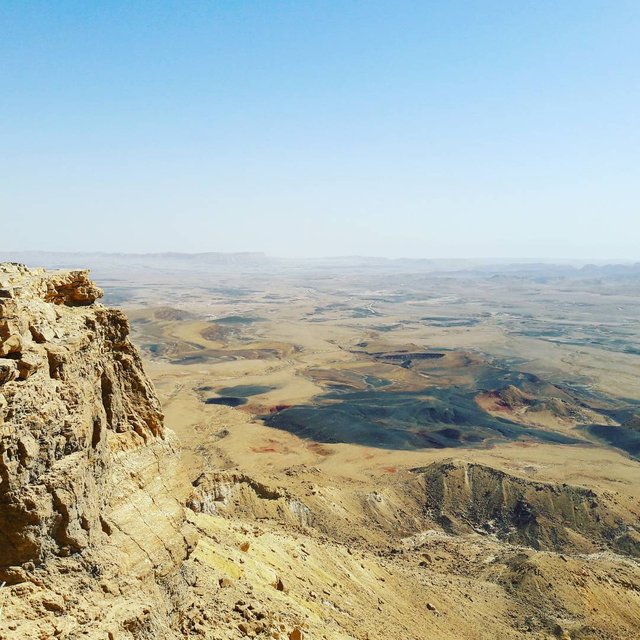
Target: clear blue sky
[(422, 129)]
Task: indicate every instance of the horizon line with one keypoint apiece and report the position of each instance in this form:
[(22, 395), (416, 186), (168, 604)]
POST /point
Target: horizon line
[(265, 255)]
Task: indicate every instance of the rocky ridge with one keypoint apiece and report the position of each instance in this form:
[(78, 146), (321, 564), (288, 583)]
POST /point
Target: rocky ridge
[(462, 497)]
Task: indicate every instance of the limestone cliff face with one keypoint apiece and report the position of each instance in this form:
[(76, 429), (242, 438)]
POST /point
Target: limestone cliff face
[(85, 460)]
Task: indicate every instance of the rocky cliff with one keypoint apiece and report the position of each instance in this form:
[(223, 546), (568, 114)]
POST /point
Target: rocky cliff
[(89, 476)]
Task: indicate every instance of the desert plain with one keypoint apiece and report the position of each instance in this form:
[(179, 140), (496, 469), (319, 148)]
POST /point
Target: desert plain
[(339, 381), (384, 449)]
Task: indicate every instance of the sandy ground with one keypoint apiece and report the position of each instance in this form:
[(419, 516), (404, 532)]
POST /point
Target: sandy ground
[(372, 567)]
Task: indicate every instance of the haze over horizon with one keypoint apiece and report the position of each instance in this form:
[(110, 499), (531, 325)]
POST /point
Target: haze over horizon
[(471, 260), (417, 130)]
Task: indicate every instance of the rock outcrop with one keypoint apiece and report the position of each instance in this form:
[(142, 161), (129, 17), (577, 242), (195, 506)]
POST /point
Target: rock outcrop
[(88, 472), (238, 495), (463, 497)]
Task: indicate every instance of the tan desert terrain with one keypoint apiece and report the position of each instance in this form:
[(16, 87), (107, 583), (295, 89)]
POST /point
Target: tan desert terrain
[(363, 451)]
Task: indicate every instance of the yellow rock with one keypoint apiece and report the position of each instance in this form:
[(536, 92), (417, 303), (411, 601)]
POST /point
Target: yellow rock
[(206, 553)]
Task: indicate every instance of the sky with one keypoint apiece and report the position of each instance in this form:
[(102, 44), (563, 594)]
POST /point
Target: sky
[(307, 128)]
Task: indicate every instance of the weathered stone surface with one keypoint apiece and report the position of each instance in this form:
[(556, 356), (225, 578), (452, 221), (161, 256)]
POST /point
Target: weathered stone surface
[(12, 344), (8, 371), (72, 288), (85, 460)]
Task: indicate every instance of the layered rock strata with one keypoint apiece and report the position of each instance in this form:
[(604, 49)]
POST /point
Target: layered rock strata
[(88, 472)]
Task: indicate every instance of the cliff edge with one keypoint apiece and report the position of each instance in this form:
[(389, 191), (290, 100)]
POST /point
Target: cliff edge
[(90, 482)]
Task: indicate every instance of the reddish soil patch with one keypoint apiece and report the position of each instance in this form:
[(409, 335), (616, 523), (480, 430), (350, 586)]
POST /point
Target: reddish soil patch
[(279, 407), (320, 449), (491, 401)]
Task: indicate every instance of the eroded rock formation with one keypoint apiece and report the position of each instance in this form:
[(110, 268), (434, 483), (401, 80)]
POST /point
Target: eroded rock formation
[(463, 497), (86, 466)]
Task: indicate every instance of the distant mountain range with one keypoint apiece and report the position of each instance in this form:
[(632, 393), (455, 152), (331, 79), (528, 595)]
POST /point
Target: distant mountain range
[(248, 259)]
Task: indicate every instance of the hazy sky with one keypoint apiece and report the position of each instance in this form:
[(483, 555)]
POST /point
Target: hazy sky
[(420, 129)]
